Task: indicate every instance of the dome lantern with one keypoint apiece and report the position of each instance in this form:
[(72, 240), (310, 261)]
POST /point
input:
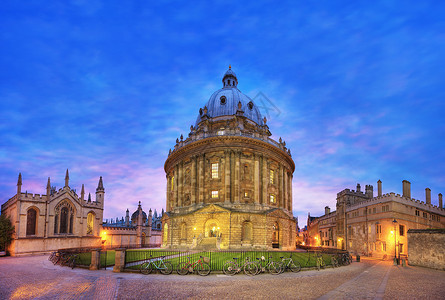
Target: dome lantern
[(229, 79)]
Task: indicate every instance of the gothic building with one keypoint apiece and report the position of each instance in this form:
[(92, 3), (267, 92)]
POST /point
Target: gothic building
[(59, 219), (374, 225), (229, 185)]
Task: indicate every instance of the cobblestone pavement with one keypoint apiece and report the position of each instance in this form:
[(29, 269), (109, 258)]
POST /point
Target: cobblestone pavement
[(34, 277)]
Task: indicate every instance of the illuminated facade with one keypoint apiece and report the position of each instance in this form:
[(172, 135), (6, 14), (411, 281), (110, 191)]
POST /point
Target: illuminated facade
[(59, 219), (375, 226), (229, 185)]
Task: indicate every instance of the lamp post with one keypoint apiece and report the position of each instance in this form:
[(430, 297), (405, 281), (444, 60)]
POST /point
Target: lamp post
[(395, 242)]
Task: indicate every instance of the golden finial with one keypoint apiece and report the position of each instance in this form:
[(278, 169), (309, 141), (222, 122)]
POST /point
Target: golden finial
[(230, 66)]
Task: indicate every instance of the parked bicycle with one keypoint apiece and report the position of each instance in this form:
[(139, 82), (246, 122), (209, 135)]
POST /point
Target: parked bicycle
[(334, 261), (263, 266), (165, 267), (345, 258), (287, 263), (201, 266), (233, 267), (320, 261)]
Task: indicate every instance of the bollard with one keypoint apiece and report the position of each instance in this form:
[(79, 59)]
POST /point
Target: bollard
[(403, 262), (395, 261), (357, 258)]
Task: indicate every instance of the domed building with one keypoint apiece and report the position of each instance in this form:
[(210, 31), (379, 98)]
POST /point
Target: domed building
[(229, 185)]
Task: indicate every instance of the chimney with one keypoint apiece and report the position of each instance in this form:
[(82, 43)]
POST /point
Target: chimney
[(440, 201), (369, 191), (358, 187), (406, 189), (379, 188), (428, 196), (327, 210)]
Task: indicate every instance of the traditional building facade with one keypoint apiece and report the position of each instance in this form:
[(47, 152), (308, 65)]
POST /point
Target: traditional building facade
[(141, 230), (59, 219), (375, 226), (229, 185)]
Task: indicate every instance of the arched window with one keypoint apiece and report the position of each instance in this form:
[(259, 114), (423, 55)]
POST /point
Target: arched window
[(183, 232), (90, 223), (31, 222), (64, 220), (64, 215), (247, 232)]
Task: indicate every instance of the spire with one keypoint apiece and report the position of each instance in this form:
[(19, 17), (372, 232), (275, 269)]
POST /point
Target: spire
[(100, 186), (67, 178), (89, 197), (48, 184), (19, 181), (82, 192)]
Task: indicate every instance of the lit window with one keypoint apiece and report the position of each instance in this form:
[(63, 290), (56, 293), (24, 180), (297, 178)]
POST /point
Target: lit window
[(172, 183), (402, 230), (272, 198), (214, 194), (215, 170), (246, 195), (271, 175)]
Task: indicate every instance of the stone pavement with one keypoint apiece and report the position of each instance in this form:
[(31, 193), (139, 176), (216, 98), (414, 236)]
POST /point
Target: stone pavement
[(34, 277)]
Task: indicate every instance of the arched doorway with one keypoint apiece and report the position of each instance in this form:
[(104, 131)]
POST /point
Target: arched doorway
[(276, 235), (212, 228)]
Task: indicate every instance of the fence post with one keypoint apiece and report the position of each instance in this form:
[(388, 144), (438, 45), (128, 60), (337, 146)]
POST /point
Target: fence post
[(119, 260), (95, 259)]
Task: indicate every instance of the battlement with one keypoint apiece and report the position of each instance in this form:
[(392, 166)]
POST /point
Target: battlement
[(400, 199), (32, 197)]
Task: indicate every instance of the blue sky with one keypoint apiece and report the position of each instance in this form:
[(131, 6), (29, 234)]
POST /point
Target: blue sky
[(104, 88)]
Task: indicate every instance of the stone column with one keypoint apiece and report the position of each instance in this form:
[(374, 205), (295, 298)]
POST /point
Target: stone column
[(200, 179), (95, 259), (168, 194), (237, 175), (265, 181), (119, 260), (227, 184), (193, 180), (256, 179), (204, 188), (290, 192), (181, 184), (285, 188), (280, 186), (175, 187)]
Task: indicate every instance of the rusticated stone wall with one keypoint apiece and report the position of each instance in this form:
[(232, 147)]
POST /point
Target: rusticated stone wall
[(426, 248)]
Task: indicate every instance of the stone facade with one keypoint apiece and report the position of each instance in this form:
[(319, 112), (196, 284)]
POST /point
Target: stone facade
[(59, 219), (229, 185), (426, 248), (375, 226)]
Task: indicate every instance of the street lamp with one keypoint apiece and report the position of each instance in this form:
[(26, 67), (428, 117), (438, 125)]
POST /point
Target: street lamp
[(395, 242)]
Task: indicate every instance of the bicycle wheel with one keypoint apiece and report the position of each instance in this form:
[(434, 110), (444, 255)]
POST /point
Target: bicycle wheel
[(146, 268), (203, 269), (182, 268), (275, 268), (294, 266), (230, 268), (166, 268), (250, 269)]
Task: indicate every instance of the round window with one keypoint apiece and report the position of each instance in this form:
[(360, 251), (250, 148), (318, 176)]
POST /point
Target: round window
[(223, 100), (250, 105)]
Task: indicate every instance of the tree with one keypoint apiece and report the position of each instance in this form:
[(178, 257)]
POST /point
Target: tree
[(6, 231)]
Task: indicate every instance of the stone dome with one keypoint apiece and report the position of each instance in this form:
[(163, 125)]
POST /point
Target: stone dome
[(226, 101), (134, 217)]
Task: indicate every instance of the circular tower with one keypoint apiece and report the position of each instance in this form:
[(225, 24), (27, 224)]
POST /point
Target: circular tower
[(229, 185)]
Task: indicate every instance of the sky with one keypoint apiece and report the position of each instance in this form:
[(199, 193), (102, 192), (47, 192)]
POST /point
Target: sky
[(104, 88)]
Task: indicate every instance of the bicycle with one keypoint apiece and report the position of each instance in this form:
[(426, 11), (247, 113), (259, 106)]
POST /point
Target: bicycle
[(334, 261), (201, 266), (268, 266), (233, 267), (345, 258), (320, 261), (289, 264), (72, 260), (165, 267)]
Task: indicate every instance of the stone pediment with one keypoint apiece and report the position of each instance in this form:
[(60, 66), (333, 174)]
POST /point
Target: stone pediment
[(212, 208), (278, 213)]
